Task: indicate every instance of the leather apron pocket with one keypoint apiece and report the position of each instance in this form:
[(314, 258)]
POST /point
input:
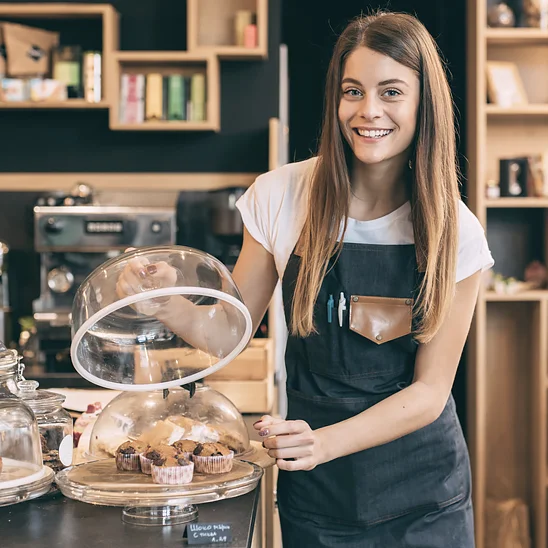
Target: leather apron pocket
[(380, 319)]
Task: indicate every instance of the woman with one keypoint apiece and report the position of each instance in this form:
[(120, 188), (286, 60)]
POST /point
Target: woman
[(380, 264)]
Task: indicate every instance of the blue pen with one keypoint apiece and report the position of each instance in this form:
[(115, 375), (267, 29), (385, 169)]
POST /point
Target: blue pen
[(330, 305)]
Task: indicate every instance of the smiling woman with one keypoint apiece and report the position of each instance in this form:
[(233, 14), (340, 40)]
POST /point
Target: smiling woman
[(380, 264)]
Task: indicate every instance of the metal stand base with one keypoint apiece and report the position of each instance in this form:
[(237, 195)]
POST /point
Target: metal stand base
[(159, 515)]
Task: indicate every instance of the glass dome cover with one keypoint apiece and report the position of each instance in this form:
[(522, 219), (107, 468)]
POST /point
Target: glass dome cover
[(156, 318), (159, 418)]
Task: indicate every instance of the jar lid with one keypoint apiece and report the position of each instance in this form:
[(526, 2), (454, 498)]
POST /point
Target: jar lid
[(9, 361), (39, 400)]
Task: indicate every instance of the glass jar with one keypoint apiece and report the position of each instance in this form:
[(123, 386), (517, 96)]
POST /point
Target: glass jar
[(22, 473), (54, 424), (10, 370)]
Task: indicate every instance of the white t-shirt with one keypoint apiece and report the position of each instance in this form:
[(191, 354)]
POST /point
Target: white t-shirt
[(273, 210)]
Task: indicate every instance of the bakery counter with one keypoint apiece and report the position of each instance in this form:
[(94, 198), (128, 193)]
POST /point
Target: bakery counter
[(59, 522)]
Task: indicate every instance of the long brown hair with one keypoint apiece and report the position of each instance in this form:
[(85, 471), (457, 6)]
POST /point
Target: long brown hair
[(434, 188)]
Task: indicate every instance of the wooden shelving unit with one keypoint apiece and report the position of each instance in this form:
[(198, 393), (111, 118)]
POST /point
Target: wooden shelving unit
[(508, 343), (169, 62), (210, 27), (110, 43), (211, 37)]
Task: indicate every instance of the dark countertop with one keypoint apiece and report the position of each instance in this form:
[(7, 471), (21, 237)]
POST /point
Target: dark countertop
[(59, 522)]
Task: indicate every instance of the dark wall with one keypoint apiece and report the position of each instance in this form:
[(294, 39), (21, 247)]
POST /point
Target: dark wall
[(67, 141)]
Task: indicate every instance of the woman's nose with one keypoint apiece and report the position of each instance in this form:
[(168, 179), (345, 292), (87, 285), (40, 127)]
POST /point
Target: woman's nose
[(370, 107)]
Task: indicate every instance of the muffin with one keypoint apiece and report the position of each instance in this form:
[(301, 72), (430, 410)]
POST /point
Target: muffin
[(172, 470), (156, 453), (212, 458), (127, 455), (185, 447)]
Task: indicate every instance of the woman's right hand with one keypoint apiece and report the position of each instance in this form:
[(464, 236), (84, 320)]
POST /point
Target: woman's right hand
[(139, 275)]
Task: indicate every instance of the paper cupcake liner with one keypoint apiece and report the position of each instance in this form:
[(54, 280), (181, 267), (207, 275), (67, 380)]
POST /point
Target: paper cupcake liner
[(129, 463), (219, 464), (173, 475), (146, 464)]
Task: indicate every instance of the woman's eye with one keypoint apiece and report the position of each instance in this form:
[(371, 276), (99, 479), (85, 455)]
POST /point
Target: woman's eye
[(352, 92), (392, 93)]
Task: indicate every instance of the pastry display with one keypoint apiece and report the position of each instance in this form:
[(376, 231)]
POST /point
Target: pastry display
[(212, 458), (127, 456), (172, 470)]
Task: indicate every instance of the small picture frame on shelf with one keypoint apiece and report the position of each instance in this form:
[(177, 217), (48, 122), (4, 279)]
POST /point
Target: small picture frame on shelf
[(514, 176), (504, 84)]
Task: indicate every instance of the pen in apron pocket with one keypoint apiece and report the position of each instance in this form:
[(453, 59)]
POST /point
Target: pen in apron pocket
[(342, 308), (330, 306)]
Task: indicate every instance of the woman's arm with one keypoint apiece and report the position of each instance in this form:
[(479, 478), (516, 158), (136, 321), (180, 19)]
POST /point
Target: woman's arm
[(402, 413), (255, 276)]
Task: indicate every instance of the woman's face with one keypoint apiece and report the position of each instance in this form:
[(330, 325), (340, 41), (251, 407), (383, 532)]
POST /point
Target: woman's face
[(378, 107)]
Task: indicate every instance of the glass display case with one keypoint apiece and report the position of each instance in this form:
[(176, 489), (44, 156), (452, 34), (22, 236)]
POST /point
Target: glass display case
[(153, 322)]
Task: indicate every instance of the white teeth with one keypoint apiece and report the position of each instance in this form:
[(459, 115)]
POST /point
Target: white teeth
[(377, 133)]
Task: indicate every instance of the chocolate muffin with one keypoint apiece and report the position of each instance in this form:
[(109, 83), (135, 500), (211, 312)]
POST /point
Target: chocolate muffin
[(212, 458), (157, 455), (185, 447), (172, 470), (127, 455)]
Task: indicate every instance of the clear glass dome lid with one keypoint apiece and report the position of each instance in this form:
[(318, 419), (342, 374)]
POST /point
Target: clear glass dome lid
[(156, 318), (164, 417)]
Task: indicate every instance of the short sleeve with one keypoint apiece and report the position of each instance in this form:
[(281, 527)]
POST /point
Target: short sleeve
[(474, 253), (253, 209)]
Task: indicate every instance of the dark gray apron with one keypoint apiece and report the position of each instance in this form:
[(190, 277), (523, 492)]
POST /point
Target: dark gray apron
[(386, 492)]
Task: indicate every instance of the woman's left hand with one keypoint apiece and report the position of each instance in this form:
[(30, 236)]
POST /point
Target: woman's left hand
[(293, 444)]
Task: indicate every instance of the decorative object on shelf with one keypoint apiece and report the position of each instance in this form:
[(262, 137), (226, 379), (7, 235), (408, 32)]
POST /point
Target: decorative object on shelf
[(535, 14), (507, 524), (504, 84), (242, 18), (506, 285), (513, 177), (538, 175), (537, 274), (492, 189), (28, 49), (92, 74), (501, 15), (67, 69)]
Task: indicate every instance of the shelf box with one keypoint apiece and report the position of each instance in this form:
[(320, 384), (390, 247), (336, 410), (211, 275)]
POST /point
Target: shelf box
[(166, 63), (211, 27), (109, 19)]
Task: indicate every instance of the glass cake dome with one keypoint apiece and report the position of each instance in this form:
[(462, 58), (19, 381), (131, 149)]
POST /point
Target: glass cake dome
[(156, 318), (164, 417)]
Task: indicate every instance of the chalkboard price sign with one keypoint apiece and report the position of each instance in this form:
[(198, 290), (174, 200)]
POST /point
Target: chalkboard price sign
[(209, 533)]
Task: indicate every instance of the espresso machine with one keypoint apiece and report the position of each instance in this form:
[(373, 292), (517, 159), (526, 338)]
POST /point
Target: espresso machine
[(73, 236)]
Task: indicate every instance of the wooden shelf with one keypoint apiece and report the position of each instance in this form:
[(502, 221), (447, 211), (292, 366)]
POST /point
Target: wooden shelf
[(56, 10), (68, 104), (517, 203), (217, 35), (524, 110), (516, 37), (524, 296), (507, 348), (110, 39), (169, 62)]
